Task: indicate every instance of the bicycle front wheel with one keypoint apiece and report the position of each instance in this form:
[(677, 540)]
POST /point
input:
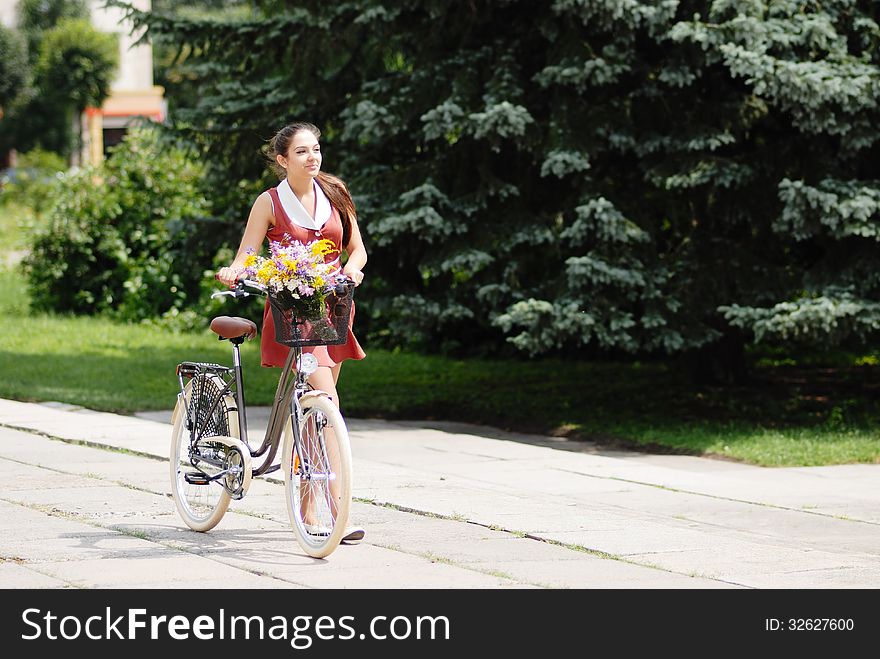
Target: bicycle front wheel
[(201, 506), (317, 476)]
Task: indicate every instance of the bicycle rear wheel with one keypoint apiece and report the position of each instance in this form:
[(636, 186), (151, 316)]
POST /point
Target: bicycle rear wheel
[(201, 506), (317, 476)]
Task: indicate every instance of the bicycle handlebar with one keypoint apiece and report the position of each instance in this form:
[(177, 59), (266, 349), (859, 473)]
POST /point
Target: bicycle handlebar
[(238, 290), (253, 284)]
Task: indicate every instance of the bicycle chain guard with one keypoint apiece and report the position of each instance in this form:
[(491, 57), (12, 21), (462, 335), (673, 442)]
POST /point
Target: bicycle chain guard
[(228, 460)]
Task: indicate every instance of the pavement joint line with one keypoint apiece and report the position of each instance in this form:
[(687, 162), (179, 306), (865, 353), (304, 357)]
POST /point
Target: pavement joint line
[(136, 488), (144, 536), (530, 536), (622, 559), (820, 569), (722, 498), (89, 475), (699, 494), (33, 567), (436, 558), (61, 514), (495, 527), (405, 509), (248, 513), (768, 535), (84, 442), (433, 558), (473, 455), (52, 511)]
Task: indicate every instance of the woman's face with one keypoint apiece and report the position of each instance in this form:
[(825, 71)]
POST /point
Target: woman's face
[(303, 156)]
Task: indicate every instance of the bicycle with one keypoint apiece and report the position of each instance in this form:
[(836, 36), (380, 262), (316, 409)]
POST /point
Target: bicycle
[(211, 457)]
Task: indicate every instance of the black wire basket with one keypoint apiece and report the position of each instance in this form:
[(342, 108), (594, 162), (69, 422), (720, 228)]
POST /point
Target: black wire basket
[(297, 328)]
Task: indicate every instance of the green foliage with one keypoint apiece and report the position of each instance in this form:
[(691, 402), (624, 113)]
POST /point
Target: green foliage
[(35, 17), (842, 208), (122, 236), (40, 160), (14, 69), (36, 122), (77, 63), (822, 319), (671, 176)]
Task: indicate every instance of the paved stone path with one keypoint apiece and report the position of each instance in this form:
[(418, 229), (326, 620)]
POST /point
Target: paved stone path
[(85, 502)]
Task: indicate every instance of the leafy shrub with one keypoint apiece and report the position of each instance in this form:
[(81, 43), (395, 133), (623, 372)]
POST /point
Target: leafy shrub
[(200, 310), (122, 236)]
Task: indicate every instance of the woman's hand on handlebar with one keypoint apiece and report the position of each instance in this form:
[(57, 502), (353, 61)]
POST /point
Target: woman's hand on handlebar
[(229, 275), (354, 274)]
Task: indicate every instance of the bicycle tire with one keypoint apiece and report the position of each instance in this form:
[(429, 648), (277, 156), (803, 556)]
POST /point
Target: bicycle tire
[(200, 506), (319, 529)]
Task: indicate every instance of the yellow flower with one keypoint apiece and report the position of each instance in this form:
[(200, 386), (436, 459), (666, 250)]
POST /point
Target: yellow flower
[(322, 247), (266, 271), (250, 260)]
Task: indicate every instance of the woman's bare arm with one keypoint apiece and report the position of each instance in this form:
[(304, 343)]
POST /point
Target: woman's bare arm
[(357, 254), (259, 221)]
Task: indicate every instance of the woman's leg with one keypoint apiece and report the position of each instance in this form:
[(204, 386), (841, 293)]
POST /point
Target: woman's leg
[(325, 379)]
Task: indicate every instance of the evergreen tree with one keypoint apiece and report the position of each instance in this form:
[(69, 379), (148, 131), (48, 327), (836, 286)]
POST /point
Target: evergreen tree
[(669, 176)]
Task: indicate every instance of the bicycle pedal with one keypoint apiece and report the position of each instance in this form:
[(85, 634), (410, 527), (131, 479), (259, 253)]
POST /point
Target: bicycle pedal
[(196, 478)]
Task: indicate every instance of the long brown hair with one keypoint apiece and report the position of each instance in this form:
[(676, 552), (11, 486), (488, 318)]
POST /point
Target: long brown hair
[(332, 186)]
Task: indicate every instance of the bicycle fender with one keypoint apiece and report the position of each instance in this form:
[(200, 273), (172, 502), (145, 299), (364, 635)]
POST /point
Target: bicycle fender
[(177, 409), (315, 393)]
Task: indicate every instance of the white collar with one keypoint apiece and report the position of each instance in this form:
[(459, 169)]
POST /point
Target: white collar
[(298, 213)]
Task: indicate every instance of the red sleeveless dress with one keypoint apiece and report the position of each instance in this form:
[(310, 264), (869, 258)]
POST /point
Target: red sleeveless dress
[(273, 353)]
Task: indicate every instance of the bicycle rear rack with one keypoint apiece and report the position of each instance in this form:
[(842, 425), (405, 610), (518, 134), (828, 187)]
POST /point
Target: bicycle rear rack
[(195, 371)]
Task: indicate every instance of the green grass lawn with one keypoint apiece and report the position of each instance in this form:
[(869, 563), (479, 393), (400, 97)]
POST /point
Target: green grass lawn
[(15, 223), (776, 421), (789, 415)]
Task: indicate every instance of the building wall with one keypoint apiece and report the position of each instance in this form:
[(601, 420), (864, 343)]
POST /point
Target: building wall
[(135, 64), (7, 12)]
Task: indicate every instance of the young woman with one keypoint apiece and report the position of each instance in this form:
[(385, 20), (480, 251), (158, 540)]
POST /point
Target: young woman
[(307, 205)]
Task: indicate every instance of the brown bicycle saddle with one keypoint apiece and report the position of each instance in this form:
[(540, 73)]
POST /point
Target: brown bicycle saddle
[(233, 327)]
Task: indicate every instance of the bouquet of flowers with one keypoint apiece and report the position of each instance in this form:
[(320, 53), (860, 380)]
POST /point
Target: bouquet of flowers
[(296, 276)]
